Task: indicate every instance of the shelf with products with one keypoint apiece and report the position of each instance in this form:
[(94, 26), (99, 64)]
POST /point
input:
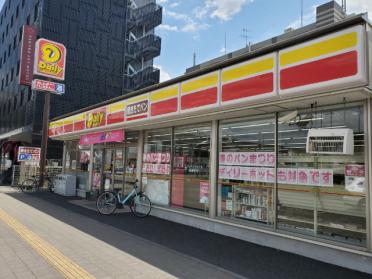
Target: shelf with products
[(251, 202)]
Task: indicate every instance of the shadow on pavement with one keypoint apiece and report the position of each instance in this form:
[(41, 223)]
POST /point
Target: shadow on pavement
[(243, 258)]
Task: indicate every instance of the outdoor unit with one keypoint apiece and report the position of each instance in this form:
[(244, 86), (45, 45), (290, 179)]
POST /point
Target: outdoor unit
[(330, 141)]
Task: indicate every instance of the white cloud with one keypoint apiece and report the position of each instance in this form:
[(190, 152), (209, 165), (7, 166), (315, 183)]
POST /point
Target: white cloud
[(359, 6), (162, 1), (174, 4), (307, 19), (164, 75), (221, 9), (188, 25), (168, 27)]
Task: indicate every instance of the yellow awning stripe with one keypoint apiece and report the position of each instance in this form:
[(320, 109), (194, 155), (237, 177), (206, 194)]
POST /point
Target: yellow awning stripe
[(166, 93), (248, 69), (318, 49), (199, 83), (138, 99), (119, 106)]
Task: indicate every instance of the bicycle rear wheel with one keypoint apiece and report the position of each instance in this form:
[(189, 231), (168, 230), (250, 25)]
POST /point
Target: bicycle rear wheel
[(28, 185), (106, 203), (140, 205)]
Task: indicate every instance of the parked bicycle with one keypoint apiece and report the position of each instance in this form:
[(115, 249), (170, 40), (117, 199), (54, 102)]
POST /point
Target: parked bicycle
[(32, 184), (138, 202)]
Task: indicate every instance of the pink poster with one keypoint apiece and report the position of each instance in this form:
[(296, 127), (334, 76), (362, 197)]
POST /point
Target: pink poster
[(260, 159), (113, 136), (156, 168), (157, 157), (355, 170), (204, 192)]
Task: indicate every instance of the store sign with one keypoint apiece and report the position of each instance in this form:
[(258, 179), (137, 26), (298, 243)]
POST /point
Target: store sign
[(355, 170), (29, 34), (159, 157), (95, 119), (204, 192), (292, 176), (264, 159), (138, 108), (29, 154), (156, 168), (113, 136), (49, 86), (50, 59)]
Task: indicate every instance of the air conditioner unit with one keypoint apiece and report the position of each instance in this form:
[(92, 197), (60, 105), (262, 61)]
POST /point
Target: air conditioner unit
[(330, 141)]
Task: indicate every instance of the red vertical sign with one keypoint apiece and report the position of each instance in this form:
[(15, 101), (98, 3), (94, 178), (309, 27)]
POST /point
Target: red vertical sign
[(27, 55)]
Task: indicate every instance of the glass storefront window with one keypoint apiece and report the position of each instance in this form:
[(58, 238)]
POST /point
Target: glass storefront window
[(247, 170), (190, 180), (320, 193), (156, 170)]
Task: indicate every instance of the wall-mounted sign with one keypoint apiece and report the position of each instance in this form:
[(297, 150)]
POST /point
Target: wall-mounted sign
[(49, 86), (29, 154), (112, 136), (96, 119), (138, 108), (27, 55), (50, 59)]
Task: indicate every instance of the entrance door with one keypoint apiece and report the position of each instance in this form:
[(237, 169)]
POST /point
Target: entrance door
[(118, 173), (108, 168), (130, 168)]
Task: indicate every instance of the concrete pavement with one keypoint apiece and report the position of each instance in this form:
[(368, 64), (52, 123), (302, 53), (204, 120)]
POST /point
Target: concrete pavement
[(100, 259)]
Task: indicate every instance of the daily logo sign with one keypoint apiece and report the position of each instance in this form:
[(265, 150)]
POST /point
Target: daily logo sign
[(50, 59)]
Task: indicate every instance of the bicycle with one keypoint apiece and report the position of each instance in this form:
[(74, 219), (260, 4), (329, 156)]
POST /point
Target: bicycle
[(32, 184), (138, 202)]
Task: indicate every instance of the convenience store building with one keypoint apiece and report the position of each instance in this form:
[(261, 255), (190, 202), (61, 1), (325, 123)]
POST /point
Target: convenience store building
[(272, 147)]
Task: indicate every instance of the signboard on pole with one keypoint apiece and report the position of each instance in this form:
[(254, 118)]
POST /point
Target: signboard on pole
[(28, 154), (49, 86), (50, 59), (29, 34)]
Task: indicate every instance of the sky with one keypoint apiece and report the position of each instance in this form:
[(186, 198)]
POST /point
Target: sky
[(200, 27)]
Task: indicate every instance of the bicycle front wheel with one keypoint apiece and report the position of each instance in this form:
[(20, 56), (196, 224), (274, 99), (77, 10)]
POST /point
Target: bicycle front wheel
[(140, 205), (29, 185), (106, 203)]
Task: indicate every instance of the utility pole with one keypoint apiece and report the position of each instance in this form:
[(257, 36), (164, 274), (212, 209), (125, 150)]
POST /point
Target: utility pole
[(302, 13), (44, 138), (245, 36), (194, 59)]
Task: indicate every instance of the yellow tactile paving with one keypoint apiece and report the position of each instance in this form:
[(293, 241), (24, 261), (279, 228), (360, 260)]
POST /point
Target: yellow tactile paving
[(60, 262)]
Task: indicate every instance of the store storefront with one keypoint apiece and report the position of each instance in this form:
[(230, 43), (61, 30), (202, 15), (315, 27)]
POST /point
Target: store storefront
[(273, 148)]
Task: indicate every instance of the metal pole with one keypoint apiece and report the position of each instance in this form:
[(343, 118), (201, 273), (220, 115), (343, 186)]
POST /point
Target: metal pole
[(44, 137)]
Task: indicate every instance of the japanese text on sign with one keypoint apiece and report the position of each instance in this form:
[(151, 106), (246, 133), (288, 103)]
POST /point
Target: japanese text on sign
[(137, 108), (311, 177), (29, 154), (263, 159), (156, 168)]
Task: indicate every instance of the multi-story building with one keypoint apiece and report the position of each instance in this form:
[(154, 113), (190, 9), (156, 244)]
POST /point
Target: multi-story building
[(111, 45)]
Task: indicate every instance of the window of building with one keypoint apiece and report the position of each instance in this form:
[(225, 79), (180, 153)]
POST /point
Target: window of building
[(7, 80), (23, 3), (247, 170), (2, 84), (15, 42), (17, 11), (156, 165), (9, 49), (7, 29), (12, 74), (20, 33), (28, 19), (36, 11), (11, 21), (15, 103), (4, 58), (190, 174), (2, 37), (18, 67), (1, 62), (323, 193), (1, 20)]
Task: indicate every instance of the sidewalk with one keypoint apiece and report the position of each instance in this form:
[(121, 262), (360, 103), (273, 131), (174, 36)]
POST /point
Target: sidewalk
[(178, 250)]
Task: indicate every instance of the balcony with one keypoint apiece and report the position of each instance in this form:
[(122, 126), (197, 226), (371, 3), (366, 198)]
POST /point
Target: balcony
[(147, 47), (149, 15), (143, 78)]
